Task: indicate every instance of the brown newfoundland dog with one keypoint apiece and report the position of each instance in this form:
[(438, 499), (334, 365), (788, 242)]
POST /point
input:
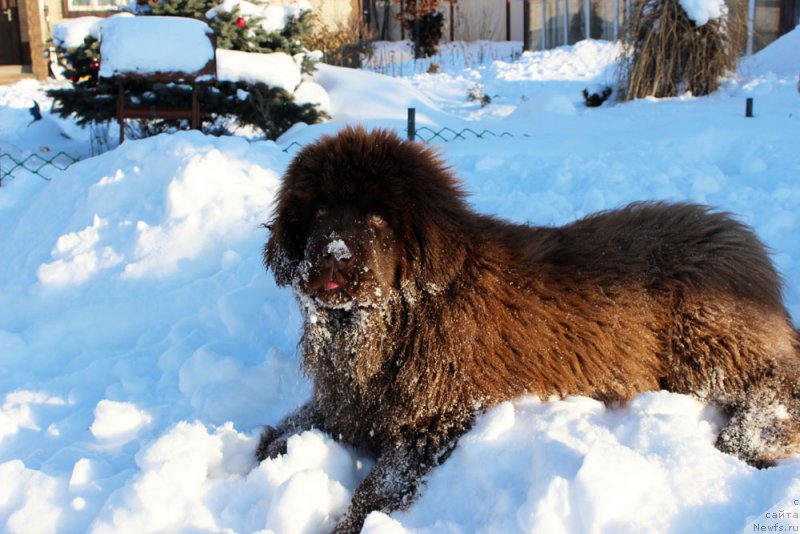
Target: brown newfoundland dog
[(420, 313)]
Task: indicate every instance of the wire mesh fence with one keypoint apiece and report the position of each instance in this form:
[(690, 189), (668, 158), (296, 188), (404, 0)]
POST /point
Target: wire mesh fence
[(12, 165), (33, 163), (448, 134), (428, 135)]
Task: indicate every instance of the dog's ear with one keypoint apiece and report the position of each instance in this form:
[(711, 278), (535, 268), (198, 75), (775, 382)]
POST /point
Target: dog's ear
[(435, 233), (438, 255), (275, 255), (283, 250)]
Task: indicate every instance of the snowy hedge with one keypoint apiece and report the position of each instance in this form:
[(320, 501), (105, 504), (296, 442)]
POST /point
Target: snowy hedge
[(261, 67)]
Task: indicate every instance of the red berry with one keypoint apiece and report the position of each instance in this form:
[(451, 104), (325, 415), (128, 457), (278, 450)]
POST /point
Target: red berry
[(241, 22)]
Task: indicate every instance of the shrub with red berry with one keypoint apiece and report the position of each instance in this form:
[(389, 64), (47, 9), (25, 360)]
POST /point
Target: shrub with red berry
[(92, 99)]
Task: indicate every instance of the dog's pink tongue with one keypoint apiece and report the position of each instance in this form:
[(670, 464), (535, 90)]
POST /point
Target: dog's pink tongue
[(330, 285)]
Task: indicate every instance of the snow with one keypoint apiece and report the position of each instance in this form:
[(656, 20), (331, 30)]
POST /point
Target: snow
[(272, 18), (162, 44), (277, 69), (779, 58), (177, 44), (70, 33), (310, 92), (338, 249), (142, 343), (702, 11)]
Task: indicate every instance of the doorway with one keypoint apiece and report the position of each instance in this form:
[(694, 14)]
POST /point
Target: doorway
[(10, 41)]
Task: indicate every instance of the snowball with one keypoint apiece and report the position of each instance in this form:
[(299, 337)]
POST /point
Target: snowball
[(148, 45), (276, 70), (118, 421)]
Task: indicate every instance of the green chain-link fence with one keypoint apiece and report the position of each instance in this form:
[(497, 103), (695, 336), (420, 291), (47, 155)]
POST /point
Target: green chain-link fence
[(445, 134), (448, 134), (35, 163), (11, 166)]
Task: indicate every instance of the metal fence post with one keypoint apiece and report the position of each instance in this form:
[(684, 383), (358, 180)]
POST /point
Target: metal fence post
[(412, 124)]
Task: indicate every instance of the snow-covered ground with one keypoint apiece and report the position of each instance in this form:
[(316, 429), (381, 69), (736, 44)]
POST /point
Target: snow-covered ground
[(142, 343)]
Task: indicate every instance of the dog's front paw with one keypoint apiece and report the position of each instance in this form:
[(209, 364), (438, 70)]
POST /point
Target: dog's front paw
[(271, 444)]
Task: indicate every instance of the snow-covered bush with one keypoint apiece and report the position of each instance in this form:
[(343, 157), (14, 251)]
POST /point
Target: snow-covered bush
[(675, 46), (267, 34)]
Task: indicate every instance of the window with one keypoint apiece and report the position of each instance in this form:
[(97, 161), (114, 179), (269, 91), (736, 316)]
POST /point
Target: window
[(79, 8)]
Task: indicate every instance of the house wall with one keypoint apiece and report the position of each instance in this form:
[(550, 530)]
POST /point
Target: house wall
[(333, 12), (553, 22), (33, 36)]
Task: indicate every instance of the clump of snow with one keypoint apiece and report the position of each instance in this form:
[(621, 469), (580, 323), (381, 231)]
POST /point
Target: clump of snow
[(118, 421), (277, 69), (30, 500), (338, 249), (83, 472), (17, 409), (195, 479), (702, 11), (147, 45), (272, 18), (69, 33), (309, 92), (77, 257)]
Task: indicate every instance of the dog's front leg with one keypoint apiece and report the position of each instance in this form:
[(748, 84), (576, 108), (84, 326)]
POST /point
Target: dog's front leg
[(273, 439), (391, 484)]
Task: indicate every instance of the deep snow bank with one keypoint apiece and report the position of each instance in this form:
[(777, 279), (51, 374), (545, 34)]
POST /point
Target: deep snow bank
[(142, 343)]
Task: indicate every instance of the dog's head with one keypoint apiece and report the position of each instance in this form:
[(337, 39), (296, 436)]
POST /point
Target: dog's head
[(361, 214)]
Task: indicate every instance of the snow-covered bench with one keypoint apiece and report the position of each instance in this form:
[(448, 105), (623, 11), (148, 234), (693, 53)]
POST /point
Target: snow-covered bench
[(157, 50)]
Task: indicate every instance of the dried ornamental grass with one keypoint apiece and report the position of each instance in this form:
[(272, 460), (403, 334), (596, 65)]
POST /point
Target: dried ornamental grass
[(667, 54)]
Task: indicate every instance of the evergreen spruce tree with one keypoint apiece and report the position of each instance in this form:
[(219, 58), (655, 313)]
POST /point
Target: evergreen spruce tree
[(272, 110), (90, 97)]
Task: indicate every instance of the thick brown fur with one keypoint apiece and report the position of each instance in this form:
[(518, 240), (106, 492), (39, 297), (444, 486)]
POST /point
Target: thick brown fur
[(420, 312)]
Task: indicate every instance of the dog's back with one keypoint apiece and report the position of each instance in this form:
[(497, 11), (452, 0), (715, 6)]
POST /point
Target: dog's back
[(674, 247)]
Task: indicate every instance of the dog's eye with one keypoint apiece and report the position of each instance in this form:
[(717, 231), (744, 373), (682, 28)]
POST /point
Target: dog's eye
[(376, 220)]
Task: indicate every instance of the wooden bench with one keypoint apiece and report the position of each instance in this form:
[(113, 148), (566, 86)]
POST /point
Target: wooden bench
[(176, 49), (192, 113)]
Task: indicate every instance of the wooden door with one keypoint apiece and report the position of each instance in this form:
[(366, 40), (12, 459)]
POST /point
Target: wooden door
[(10, 46)]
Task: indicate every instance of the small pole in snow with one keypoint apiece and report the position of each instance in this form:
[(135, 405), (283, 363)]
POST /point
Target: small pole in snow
[(748, 108), (412, 126)]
